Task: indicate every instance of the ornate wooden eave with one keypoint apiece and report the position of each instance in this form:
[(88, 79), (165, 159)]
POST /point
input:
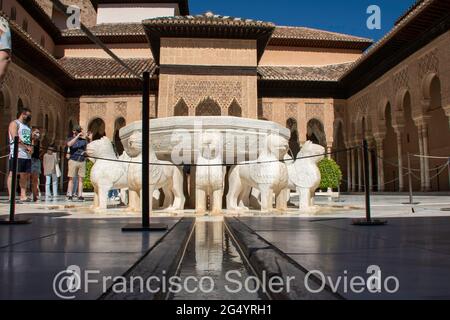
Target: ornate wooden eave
[(207, 26)]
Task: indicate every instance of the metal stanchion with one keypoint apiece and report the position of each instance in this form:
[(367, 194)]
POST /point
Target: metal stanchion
[(146, 225), (12, 207), (411, 199), (368, 221)]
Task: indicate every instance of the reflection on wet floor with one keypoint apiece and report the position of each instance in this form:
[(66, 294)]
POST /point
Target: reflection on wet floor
[(211, 253)]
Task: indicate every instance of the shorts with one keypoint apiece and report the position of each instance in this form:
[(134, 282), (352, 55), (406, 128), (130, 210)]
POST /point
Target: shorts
[(77, 169), (23, 165), (36, 166)]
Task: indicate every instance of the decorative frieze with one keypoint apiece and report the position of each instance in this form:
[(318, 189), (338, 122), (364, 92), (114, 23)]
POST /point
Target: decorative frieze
[(195, 91), (429, 63)]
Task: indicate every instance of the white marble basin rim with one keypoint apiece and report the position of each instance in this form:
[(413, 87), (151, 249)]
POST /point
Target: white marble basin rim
[(162, 131)]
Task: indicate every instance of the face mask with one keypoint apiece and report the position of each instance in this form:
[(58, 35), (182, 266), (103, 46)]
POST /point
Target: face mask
[(27, 119)]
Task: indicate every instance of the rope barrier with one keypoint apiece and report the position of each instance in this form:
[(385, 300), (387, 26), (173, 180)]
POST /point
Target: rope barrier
[(429, 157), (63, 154)]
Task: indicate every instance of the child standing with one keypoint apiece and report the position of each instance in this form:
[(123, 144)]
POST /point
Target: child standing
[(51, 173)]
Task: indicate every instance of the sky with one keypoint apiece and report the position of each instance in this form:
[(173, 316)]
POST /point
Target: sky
[(344, 16)]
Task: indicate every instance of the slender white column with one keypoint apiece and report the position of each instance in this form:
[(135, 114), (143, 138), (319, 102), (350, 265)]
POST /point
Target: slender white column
[(360, 173), (422, 170), (426, 161), (354, 187), (380, 156), (400, 160), (349, 170), (370, 170)]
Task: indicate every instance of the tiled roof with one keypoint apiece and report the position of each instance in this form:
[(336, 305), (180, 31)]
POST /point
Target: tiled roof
[(303, 73), (104, 68), (208, 19), (109, 29), (314, 34)]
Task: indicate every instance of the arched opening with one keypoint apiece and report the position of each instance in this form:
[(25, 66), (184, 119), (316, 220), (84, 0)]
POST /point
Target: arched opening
[(119, 124), (181, 109), (97, 127), (390, 153), (410, 139), (208, 108), (340, 157), (294, 141), (235, 110), (316, 132), (438, 138)]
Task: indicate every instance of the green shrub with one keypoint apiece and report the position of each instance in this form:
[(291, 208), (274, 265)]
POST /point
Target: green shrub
[(331, 174), (87, 185)]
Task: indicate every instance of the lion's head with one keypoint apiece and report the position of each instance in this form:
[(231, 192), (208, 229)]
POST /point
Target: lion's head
[(277, 145), (101, 148), (310, 149), (211, 145)]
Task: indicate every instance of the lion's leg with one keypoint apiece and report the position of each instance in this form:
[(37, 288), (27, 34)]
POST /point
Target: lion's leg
[(168, 197), (234, 189), (95, 204), (266, 198), (244, 198), (304, 199), (217, 202), (103, 189), (178, 192), (281, 200), (200, 201), (134, 200)]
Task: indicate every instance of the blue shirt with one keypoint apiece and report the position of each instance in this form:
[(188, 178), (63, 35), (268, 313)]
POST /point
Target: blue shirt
[(5, 35), (77, 150)]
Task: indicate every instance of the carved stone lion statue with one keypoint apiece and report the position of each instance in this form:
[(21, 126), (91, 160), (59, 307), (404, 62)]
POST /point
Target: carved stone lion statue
[(164, 175), (106, 174), (268, 175), (304, 174), (210, 173)]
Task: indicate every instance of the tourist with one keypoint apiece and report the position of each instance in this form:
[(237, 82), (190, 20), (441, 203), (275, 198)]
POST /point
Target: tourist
[(77, 162), (5, 48), (20, 128), (51, 170), (35, 163)]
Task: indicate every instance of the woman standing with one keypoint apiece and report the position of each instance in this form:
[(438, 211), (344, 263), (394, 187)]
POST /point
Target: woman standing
[(35, 163), (51, 172)]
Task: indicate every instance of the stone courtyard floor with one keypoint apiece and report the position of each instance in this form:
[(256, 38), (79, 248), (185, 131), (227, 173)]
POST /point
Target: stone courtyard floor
[(414, 246)]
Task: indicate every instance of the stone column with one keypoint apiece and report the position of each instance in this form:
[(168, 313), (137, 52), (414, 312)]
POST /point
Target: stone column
[(349, 168), (360, 171), (329, 150), (399, 134), (422, 171), (353, 152), (426, 161), (380, 164), (370, 167)]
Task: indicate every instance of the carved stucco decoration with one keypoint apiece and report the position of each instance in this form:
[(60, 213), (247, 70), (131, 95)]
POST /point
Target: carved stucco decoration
[(267, 110), (429, 63), (120, 109), (315, 111), (291, 110), (96, 109), (10, 79), (401, 79), (193, 92), (25, 87)]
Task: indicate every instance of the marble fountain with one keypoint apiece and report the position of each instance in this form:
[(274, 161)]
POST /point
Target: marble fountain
[(208, 164)]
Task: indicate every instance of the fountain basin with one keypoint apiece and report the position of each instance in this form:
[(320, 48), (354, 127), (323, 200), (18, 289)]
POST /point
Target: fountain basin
[(241, 137)]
